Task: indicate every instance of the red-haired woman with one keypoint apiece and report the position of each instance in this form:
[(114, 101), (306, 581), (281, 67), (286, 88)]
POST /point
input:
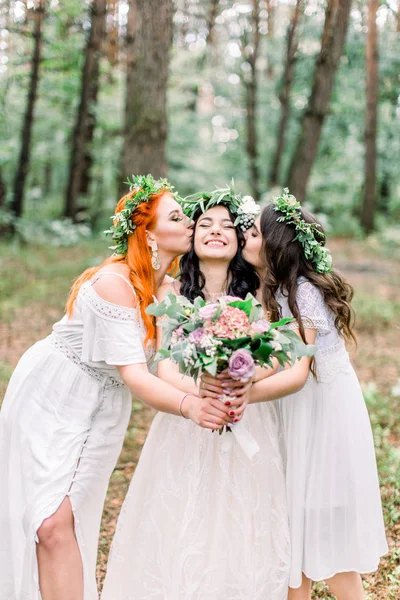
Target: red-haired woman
[(68, 404)]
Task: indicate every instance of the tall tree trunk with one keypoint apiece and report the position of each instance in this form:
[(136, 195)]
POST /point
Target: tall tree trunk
[(112, 36), (3, 189), (270, 35), (26, 134), (211, 21), (47, 176), (85, 119), (93, 92), (369, 200), (251, 87), (332, 45), (398, 16), (284, 94), (145, 130)]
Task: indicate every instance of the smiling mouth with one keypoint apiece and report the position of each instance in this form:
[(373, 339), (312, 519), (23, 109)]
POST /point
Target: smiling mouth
[(215, 243)]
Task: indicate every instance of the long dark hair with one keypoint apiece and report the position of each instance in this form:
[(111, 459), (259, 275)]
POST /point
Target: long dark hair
[(285, 262), (243, 277)]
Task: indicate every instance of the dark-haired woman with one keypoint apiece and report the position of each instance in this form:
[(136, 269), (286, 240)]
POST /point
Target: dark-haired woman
[(201, 523), (335, 513)]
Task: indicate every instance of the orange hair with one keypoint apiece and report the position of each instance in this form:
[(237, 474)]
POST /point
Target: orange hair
[(138, 259)]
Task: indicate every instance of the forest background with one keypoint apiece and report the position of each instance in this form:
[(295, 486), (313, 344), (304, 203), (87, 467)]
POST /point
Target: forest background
[(302, 94)]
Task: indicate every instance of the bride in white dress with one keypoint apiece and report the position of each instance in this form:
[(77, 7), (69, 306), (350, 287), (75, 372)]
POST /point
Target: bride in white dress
[(68, 404), (199, 522)]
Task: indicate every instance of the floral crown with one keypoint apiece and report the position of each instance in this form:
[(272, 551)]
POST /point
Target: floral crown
[(141, 189), (244, 208), (306, 233)]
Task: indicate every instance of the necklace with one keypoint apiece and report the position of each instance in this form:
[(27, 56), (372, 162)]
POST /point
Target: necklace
[(215, 296)]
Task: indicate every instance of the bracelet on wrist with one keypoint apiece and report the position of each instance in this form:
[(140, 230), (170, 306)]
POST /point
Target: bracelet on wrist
[(180, 405)]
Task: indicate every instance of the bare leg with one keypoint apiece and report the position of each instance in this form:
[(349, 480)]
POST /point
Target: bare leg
[(59, 558), (301, 593), (347, 586)]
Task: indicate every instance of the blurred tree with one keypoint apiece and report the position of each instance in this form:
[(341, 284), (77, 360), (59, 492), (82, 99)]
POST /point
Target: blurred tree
[(398, 16), (372, 87), (26, 134), (145, 127), (2, 189), (284, 92), (271, 9), (251, 51), (81, 159), (112, 32), (211, 21), (332, 45)]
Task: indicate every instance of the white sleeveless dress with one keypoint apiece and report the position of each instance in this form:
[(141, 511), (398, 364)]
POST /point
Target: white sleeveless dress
[(62, 426), (201, 523), (333, 493)]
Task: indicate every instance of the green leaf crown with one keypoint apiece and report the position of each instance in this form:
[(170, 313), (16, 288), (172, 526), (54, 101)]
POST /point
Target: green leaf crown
[(141, 189), (308, 234), (245, 209)]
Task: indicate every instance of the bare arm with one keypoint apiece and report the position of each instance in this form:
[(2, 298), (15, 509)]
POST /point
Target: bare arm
[(288, 381), (167, 370), (262, 372), (205, 412)]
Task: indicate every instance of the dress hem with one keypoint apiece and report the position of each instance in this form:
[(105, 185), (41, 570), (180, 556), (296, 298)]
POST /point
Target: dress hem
[(350, 570)]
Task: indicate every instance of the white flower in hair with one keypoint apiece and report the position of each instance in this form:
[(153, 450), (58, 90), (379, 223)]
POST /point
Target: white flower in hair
[(249, 206)]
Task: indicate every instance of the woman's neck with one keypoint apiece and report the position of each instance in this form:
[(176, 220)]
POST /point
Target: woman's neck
[(216, 277), (160, 273)]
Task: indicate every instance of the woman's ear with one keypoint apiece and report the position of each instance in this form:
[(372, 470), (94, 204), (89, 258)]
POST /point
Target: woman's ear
[(151, 239)]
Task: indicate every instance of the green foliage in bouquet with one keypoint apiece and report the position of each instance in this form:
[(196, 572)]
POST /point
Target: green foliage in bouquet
[(203, 336)]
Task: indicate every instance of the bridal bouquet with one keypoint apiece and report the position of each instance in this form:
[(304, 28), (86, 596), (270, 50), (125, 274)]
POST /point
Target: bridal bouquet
[(229, 334)]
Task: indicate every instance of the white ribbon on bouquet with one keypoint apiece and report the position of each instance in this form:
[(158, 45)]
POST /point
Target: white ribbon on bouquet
[(239, 433)]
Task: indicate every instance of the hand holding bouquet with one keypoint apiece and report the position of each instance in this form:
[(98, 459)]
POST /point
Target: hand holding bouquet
[(230, 334)]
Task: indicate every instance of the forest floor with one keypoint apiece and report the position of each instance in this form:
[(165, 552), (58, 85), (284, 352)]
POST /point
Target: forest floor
[(33, 286)]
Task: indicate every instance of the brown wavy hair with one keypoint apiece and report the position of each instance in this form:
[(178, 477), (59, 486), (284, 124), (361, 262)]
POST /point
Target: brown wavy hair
[(138, 259), (285, 262)]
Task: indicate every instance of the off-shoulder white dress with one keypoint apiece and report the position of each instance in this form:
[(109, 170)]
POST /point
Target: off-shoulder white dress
[(62, 426), (334, 502), (203, 522)]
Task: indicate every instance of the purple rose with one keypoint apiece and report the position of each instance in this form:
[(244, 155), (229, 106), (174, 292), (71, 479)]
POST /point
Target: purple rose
[(196, 335), (208, 311), (241, 365)]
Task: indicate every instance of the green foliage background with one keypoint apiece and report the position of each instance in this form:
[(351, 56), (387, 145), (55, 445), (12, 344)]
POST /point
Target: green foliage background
[(207, 115)]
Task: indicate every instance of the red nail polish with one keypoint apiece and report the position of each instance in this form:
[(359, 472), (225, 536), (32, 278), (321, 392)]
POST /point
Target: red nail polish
[(235, 420), (227, 403), (231, 414)]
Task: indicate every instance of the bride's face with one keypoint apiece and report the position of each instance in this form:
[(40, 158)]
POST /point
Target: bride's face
[(172, 230), (215, 236), (252, 249)]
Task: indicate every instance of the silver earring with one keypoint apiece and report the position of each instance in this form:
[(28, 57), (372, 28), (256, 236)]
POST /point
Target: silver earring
[(155, 259)]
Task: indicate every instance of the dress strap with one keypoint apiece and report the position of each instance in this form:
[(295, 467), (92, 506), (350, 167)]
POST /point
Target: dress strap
[(116, 275)]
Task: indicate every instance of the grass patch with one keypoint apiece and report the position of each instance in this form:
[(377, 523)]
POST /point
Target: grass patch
[(30, 274), (374, 312)]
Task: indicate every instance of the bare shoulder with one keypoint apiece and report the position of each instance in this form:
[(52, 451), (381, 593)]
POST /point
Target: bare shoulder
[(169, 279), (119, 268), (170, 287), (114, 285)]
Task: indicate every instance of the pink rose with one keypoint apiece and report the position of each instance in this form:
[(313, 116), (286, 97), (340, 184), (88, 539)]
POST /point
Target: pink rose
[(228, 299), (260, 326), (241, 366), (208, 311)]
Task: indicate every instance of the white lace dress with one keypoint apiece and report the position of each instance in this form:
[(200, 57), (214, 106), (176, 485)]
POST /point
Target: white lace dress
[(62, 426), (332, 482), (199, 523)]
